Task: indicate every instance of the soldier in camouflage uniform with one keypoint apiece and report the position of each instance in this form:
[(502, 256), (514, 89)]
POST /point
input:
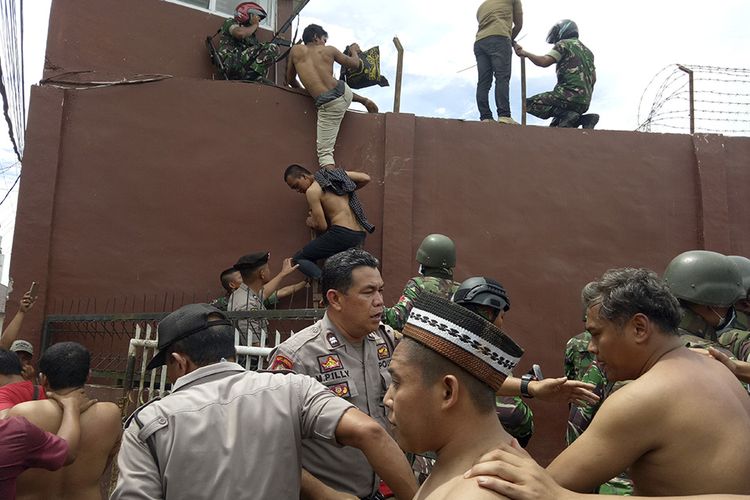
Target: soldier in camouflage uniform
[(231, 280), (243, 55), (437, 258), (708, 284), (742, 306), (576, 76), (488, 298)]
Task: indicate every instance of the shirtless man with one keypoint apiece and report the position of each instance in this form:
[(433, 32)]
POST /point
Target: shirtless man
[(313, 62), (445, 373), (64, 368), (681, 427), (334, 211)]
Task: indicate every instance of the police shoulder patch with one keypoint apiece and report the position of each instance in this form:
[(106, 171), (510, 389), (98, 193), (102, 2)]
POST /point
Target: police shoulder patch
[(281, 363)]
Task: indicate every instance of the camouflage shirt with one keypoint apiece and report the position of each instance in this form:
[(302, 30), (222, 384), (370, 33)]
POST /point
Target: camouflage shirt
[(396, 316), (576, 73), (220, 303)]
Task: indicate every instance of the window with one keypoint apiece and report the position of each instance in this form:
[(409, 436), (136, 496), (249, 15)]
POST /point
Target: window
[(226, 8)]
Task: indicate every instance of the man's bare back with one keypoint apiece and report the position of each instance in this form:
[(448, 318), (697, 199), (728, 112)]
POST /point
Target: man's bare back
[(314, 65), (683, 427), (100, 434), (336, 208)]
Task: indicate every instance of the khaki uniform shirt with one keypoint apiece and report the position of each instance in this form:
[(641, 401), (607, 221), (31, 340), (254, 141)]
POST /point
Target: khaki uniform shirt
[(225, 432), (245, 299), (322, 352), (495, 17)]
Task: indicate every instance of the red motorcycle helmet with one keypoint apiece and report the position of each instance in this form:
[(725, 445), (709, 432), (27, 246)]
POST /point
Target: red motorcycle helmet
[(243, 11)]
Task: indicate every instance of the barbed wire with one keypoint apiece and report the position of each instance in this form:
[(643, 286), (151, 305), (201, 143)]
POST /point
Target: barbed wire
[(721, 99)]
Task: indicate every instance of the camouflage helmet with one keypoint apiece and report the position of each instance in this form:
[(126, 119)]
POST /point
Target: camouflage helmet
[(437, 250), (743, 264), (480, 291), (705, 278)]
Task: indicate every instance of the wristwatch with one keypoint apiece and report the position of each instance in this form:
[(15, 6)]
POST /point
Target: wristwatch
[(525, 379)]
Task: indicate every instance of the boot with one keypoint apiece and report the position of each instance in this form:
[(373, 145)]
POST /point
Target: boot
[(589, 121), (566, 119)]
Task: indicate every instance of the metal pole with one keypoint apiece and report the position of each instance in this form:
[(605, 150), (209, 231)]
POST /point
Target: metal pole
[(523, 91), (399, 74), (691, 90)]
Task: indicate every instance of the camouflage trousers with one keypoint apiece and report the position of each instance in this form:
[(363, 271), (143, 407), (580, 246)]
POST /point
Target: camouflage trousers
[(552, 104), (251, 63)]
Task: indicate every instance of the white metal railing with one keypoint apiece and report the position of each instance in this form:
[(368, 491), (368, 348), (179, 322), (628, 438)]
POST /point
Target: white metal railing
[(256, 357)]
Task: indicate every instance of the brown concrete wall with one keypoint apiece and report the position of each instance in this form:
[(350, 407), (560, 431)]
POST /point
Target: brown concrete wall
[(111, 39), (154, 188)]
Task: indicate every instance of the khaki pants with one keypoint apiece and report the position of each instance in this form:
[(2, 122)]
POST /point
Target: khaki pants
[(330, 115)]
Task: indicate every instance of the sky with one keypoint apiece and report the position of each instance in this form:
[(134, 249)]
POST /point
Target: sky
[(632, 41)]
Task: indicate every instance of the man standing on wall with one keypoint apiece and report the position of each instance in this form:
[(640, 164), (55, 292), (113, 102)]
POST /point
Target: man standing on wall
[(313, 62), (576, 76), (500, 21)]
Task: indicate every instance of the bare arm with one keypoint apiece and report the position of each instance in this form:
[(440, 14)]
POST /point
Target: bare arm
[(552, 389), (73, 404), (291, 70), (741, 369), (286, 269), (312, 488), (360, 431), (616, 438), (517, 22), (290, 289), (512, 472), (364, 101), (541, 61), (14, 327), (352, 61), (318, 216), (359, 178)]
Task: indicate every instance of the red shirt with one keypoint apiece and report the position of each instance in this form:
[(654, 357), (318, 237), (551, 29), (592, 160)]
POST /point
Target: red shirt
[(18, 392), (23, 446)]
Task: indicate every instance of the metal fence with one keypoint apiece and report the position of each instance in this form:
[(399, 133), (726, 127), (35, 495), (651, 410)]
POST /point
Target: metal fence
[(119, 343)]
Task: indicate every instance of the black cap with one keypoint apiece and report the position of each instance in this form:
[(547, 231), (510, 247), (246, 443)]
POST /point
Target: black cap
[(185, 321), (252, 260)]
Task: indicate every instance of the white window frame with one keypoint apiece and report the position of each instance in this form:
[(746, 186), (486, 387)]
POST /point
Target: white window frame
[(268, 23)]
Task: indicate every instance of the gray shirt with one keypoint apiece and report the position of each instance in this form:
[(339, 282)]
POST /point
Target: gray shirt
[(322, 352), (245, 299), (225, 432)]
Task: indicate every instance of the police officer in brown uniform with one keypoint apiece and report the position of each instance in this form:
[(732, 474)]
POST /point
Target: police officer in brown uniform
[(349, 352)]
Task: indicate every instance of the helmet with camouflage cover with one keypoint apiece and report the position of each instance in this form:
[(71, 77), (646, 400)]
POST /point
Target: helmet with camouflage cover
[(562, 30), (705, 278), (437, 250), (480, 291), (743, 264)]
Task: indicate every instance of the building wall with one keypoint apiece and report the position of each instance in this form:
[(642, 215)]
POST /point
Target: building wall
[(154, 188)]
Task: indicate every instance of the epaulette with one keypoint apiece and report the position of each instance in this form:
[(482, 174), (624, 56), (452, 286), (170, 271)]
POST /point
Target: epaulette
[(134, 415), (282, 371)]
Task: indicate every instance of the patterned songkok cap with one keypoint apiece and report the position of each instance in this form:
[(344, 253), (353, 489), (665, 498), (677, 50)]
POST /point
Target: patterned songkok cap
[(465, 338)]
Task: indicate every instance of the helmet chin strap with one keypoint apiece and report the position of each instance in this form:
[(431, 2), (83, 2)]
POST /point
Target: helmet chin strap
[(721, 318)]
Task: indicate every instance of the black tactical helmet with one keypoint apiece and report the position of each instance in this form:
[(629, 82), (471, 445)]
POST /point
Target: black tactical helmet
[(562, 30), (480, 291), (437, 250), (743, 264), (705, 278)]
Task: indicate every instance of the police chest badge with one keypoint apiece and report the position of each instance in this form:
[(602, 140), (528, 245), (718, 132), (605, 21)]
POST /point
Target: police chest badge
[(329, 363), (383, 351), (341, 390)]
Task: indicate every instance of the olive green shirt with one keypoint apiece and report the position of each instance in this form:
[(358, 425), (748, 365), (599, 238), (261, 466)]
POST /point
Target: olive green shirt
[(495, 17)]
